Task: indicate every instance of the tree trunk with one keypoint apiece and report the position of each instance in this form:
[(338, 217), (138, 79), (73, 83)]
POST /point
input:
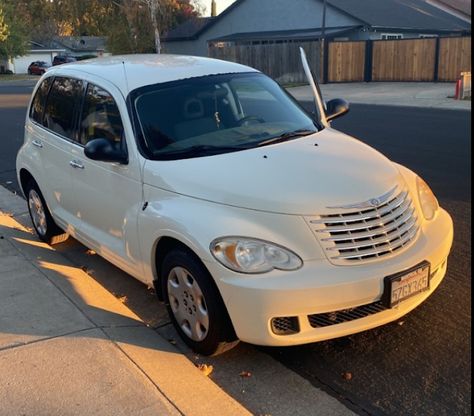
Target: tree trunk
[(153, 7)]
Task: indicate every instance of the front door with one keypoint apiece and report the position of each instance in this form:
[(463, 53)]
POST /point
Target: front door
[(108, 196)]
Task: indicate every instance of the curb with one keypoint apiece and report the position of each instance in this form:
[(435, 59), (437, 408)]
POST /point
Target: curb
[(178, 380)]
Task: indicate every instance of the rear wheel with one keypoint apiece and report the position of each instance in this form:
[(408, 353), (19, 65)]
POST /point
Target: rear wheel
[(41, 218), (194, 304)]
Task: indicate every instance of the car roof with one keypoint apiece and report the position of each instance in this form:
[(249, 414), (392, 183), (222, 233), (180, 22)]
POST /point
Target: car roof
[(148, 69)]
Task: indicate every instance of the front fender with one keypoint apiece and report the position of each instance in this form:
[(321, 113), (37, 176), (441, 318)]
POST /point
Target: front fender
[(196, 223)]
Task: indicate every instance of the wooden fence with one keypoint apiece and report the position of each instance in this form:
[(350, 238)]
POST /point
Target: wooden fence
[(454, 58), (346, 61), (430, 59), (281, 61), (405, 60)]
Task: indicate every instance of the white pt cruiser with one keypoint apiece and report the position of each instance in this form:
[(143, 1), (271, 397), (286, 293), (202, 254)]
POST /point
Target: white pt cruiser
[(253, 219)]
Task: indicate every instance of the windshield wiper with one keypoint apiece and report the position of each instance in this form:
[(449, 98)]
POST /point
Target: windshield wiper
[(287, 136), (198, 150)]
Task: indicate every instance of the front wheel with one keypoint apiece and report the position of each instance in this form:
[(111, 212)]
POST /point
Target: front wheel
[(41, 218), (194, 304)]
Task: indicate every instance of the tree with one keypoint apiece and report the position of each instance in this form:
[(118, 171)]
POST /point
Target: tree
[(3, 27), (146, 21), (14, 36)]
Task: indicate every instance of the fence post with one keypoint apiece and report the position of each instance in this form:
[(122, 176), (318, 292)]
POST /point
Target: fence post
[(436, 61), (368, 60), (325, 61)]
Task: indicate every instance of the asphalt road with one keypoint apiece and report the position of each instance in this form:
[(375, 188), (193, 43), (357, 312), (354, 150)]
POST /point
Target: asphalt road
[(417, 366)]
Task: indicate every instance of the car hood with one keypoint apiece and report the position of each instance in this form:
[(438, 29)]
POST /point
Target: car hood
[(301, 177)]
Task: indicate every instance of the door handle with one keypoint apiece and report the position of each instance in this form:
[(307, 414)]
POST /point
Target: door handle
[(76, 165), (37, 143)]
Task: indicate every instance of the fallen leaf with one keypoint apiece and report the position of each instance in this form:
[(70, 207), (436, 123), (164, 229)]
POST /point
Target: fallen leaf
[(84, 268), (172, 341), (205, 369), (401, 323), (122, 299), (245, 374), (347, 376), (91, 253)]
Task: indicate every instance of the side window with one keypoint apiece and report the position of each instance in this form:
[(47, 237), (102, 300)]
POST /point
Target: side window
[(100, 117), (61, 105), (37, 106)]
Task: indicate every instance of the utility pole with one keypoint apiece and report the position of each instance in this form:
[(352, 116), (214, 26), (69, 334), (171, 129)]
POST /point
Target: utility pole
[(322, 39), (323, 25)]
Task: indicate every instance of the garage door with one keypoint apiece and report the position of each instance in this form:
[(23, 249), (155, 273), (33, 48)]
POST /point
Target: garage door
[(21, 63)]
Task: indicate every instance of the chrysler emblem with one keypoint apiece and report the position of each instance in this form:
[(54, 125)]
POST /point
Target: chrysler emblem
[(371, 203), (374, 202)]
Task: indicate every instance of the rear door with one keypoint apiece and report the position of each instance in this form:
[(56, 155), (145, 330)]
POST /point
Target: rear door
[(55, 142)]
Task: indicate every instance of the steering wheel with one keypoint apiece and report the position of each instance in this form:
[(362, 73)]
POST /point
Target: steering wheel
[(250, 118)]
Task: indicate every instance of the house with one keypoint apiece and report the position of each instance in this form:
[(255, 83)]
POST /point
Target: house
[(60, 45), (37, 52), (250, 22)]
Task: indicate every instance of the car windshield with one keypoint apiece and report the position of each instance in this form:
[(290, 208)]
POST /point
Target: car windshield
[(216, 114)]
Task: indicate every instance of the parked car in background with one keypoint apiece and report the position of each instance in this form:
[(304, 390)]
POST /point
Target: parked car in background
[(253, 219), (38, 68), (63, 59)]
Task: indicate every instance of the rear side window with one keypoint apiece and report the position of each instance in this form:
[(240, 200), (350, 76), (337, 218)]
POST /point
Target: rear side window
[(63, 99), (37, 106), (100, 117)]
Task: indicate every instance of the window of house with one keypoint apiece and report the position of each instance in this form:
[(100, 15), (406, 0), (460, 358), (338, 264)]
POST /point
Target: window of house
[(61, 105), (39, 100), (100, 118), (425, 36), (391, 36)]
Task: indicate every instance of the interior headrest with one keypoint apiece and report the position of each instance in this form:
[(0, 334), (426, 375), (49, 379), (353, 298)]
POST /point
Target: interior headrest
[(193, 108)]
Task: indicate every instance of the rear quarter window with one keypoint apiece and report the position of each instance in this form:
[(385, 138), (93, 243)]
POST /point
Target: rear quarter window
[(61, 106), (39, 100)]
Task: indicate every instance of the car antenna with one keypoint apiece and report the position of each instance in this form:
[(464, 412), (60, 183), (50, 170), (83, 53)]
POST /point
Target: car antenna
[(126, 78)]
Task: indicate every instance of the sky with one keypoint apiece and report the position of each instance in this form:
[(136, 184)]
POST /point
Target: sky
[(221, 5)]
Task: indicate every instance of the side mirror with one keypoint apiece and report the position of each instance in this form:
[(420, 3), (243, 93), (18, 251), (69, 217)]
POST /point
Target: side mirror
[(104, 150), (336, 108)]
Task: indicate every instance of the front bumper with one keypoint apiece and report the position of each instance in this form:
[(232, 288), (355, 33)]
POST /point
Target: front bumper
[(320, 287)]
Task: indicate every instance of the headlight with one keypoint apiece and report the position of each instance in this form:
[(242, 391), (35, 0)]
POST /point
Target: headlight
[(429, 203), (248, 255)]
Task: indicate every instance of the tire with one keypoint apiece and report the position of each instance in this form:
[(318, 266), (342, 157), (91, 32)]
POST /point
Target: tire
[(41, 218), (194, 304)]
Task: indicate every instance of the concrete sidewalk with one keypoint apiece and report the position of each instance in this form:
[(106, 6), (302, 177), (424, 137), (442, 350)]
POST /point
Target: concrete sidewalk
[(411, 94), (69, 347)]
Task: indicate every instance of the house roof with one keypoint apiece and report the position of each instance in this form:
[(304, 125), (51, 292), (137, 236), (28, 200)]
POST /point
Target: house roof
[(188, 29), (401, 14), (73, 43), (81, 43), (38, 47), (284, 34), (387, 14), (463, 6)]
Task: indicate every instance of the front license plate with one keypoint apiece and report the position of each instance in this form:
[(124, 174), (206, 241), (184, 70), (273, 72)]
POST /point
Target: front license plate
[(406, 284)]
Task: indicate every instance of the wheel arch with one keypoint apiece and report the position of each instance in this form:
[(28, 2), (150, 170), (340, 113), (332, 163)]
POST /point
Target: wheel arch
[(162, 247), (25, 177), (165, 245)]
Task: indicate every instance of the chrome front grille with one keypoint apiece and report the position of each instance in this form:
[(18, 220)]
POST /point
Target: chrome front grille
[(369, 233)]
